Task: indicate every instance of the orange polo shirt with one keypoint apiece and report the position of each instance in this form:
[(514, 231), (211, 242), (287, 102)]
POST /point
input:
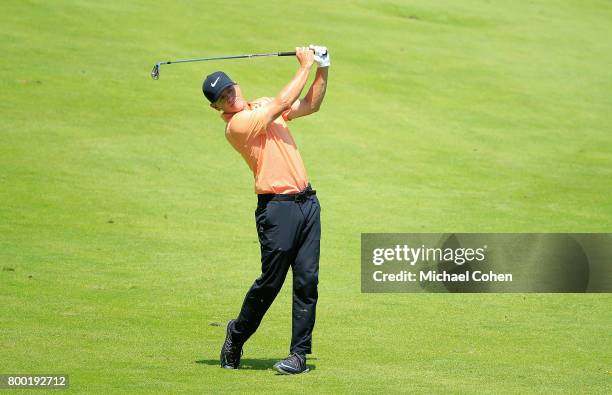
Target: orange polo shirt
[(269, 150)]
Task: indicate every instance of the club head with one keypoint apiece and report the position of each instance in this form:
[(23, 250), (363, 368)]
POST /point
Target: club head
[(155, 72)]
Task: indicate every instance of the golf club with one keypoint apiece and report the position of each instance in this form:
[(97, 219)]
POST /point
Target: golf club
[(155, 71)]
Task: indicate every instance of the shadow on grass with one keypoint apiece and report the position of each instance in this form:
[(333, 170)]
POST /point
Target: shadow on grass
[(253, 363)]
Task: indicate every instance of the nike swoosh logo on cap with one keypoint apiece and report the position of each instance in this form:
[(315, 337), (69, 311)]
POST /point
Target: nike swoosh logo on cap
[(214, 83)]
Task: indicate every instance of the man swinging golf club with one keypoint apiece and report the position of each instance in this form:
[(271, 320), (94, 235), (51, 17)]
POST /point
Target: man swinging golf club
[(288, 212)]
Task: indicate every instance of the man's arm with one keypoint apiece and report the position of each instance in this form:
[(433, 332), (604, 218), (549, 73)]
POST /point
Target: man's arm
[(290, 93), (313, 99)]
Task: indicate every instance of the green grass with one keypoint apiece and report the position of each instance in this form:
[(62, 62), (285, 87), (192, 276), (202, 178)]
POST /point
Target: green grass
[(128, 222)]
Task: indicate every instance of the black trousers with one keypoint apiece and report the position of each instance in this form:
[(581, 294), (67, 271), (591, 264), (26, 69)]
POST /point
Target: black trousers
[(289, 236)]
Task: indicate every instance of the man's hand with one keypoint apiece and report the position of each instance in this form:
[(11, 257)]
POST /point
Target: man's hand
[(321, 55), (305, 56)]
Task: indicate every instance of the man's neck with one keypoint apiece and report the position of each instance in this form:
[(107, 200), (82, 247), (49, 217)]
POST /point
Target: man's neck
[(228, 115)]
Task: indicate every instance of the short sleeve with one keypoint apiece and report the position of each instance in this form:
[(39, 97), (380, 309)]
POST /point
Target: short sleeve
[(247, 124)]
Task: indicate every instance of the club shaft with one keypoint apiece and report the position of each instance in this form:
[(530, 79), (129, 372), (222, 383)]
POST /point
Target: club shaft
[(229, 57)]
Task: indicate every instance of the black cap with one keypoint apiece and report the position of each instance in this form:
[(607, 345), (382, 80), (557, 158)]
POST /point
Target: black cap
[(214, 84)]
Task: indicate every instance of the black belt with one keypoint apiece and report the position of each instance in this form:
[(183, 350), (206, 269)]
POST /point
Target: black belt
[(298, 197)]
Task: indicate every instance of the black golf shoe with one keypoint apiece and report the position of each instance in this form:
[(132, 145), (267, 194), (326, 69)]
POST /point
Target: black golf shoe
[(293, 364), (231, 350)]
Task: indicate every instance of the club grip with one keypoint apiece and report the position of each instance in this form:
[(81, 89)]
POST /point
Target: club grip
[(291, 53)]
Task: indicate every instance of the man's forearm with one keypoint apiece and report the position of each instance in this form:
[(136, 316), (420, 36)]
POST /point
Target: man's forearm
[(291, 92), (316, 93)]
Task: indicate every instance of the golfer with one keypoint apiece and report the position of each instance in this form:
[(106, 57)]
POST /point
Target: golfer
[(288, 212)]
